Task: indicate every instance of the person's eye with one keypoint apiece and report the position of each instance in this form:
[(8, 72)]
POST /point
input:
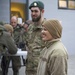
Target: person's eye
[(31, 10), (36, 11), (45, 29)]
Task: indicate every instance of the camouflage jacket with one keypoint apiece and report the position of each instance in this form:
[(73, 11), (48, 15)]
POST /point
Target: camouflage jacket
[(35, 45), (18, 35)]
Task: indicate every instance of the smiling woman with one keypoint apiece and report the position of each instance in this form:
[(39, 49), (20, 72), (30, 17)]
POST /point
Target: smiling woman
[(54, 57), (46, 35)]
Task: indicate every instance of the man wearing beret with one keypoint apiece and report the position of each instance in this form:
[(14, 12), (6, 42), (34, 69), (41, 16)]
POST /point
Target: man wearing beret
[(34, 41)]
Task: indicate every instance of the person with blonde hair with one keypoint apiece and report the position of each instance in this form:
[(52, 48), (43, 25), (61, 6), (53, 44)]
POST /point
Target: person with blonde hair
[(6, 59), (9, 28), (7, 45)]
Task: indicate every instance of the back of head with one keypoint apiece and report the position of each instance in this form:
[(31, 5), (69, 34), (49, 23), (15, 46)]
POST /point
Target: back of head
[(37, 4), (8, 27), (54, 27)]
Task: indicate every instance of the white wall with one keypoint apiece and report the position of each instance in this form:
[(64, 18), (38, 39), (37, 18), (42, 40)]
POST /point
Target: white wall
[(19, 1), (5, 11), (67, 17)]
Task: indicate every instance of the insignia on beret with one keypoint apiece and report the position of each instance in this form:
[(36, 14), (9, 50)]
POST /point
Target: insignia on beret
[(35, 4)]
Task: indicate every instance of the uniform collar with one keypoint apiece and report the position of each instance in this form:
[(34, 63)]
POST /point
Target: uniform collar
[(49, 43), (38, 25)]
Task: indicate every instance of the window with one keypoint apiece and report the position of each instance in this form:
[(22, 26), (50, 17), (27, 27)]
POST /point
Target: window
[(20, 9), (66, 4)]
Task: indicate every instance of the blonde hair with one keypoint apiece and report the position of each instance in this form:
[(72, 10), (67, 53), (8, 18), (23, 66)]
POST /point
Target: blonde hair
[(9, 28)]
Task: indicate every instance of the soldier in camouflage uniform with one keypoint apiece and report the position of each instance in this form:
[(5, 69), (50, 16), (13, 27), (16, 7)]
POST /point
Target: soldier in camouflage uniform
[(25, 26), (17, 35), (6, 42), (35, 43), (18, 31)]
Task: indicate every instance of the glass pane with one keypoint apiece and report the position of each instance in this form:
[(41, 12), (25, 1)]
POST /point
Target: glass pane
[(71, 4), (18, 9), (62, 3)]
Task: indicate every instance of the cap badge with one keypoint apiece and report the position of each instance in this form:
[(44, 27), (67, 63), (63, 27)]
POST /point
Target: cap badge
[(35, 4)]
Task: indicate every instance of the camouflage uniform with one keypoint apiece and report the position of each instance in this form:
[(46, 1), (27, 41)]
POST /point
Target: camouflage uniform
[(35, 45), (6, 42), (19, 36)]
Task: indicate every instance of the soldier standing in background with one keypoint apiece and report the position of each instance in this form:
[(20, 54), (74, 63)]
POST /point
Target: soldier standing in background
[(25, 26), (18, 31), (16, 61), (6, 59), (34, 41)]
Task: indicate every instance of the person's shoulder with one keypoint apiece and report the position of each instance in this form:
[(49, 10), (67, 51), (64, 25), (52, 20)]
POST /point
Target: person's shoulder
[(6, 34), (31, 26)]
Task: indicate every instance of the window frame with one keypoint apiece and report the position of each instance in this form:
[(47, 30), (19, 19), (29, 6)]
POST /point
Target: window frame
[(66, 4)]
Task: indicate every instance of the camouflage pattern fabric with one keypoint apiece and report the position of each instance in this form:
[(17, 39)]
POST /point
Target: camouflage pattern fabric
[(35, 45)]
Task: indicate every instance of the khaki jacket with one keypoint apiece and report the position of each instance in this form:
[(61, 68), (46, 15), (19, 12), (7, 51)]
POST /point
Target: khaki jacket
[(53, 59)]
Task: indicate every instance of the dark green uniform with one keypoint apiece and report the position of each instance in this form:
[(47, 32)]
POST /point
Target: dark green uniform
[(16, 61), (6, 42)]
